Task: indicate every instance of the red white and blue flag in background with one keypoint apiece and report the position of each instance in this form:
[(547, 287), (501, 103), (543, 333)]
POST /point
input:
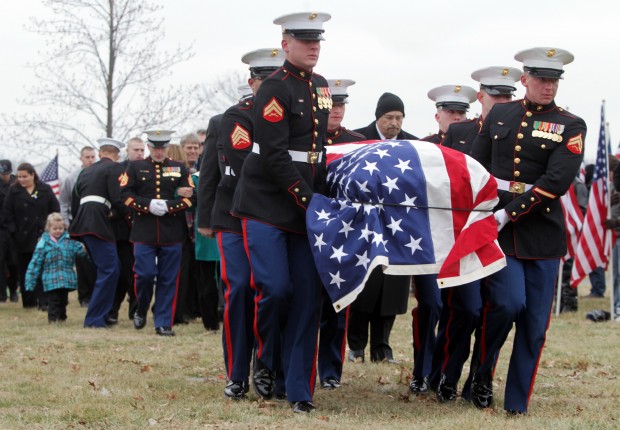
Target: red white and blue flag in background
[(50, 175), (413, 207), (595, 241)]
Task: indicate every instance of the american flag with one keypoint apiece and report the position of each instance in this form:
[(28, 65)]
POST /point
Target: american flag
[(574, 221), (50, 175), (413, 207), (595, 241)]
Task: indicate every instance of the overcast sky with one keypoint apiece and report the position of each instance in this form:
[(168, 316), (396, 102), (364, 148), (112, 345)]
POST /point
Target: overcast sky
[(402, 46)]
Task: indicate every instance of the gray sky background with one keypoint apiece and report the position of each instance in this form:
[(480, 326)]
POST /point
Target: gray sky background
[(403, 46)]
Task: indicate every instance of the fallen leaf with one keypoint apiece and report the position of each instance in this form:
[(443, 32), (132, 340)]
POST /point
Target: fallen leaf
[(44, 361), (171, 396), (381, 380), (323, 418), (92, 384), (139, 398), (145, 368)]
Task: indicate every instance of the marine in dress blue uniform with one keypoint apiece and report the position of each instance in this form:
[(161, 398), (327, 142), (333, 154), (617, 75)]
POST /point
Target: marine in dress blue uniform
[(333, 326), (452, 103), (150, 188), (460, 315), (95, 204), (277, 181), (236, 132), (534, 149)]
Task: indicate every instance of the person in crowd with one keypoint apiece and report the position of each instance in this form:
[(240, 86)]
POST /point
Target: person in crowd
[(388, 122), (452, 103), (278, 179), (153, 189), (26, 207), (8, 259), (534, 149), (52, 261), (96, 205)]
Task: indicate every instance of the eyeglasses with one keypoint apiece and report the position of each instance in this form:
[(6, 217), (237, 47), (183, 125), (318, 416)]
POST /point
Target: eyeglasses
[(397, 118)]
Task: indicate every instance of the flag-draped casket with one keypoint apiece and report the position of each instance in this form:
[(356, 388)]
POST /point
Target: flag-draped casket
[(413, 207)]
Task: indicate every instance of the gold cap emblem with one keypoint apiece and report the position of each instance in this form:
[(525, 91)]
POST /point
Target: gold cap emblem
[(338, 82), (274, 52), (312, 16), (457, 89), (504, 72), (550, 52), (158, 133)]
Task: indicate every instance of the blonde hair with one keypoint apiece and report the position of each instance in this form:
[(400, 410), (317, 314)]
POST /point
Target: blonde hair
[(53, 217), (176, 153)]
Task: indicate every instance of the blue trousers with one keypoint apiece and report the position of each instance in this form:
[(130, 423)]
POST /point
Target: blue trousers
[(460, 316), (332, 339), (425, 317), (521, 293), (163, 262), (105, 258), (288, 298), (238, 334)]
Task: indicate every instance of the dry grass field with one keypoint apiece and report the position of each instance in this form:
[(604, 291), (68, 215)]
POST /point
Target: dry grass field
[(68, 377)]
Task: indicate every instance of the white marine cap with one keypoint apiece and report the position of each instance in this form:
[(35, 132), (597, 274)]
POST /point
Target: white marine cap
[(303, 25), (158, 138), (544, 62), (338, 89), (497, 80), (263, 62), (106, 141), (453, 97)]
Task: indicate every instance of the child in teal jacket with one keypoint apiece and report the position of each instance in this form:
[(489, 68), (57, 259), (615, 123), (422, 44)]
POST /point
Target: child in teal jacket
[(52, 262)]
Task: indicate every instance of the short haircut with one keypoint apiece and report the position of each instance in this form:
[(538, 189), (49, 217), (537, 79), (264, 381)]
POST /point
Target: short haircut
[(86, 148), (189, 138)]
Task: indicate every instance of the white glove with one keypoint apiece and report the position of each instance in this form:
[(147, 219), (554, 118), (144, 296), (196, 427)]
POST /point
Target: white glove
[(158, 207), (501, 217)]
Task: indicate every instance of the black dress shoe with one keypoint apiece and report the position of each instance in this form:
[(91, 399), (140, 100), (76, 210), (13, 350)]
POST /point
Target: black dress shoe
[(264, 382), (330, 383), (164, 331), (14, 298), (236, 389), (280, 396), (356, 355), (482, 390), (513, 413), (446, 392), (110, 321), (419, 385), (139, 321), (303, 407)]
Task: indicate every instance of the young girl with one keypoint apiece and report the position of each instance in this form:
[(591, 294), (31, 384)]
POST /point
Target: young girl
[(53, 261)]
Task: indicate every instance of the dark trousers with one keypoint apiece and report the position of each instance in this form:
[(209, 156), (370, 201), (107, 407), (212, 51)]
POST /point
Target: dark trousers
[(86, 276), (332, 339), (9, 271), (30, 299), (521, 293), (425, 317), (238, 333), (104, 256), (57, 301), (380, 329), (161, 262), (208, 296), (288, 300), (124, 286), (187, 296), (460, 316)]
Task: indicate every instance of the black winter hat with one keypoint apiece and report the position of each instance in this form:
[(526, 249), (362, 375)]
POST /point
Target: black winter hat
[(389, 102)]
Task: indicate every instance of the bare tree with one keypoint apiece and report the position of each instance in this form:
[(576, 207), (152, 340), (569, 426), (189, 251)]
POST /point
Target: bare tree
[(99, 76)]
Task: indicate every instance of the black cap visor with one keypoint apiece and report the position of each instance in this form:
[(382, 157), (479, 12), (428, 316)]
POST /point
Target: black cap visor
[(498, 90), (464, 107), (541, 72), (306, 34)]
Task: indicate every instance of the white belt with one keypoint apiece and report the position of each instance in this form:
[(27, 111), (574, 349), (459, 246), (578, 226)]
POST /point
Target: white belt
[(309, 157), (512, 186), (228, 171), (96, 199)]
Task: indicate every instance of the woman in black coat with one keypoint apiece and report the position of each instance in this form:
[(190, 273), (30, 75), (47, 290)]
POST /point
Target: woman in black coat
[(27, 204)]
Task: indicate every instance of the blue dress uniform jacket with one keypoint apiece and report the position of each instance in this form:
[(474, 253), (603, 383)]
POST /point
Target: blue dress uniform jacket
[(273, 188), (233, 146), (434, 138), (343, 135), (517, 144), (211, 171), (461, 135), (95, 217), (146, 180), (122, 222), (371, 133)]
